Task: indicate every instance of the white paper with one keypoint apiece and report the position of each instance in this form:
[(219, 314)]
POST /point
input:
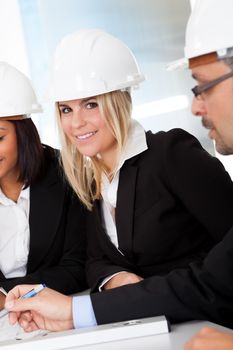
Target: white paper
[(15, 332)]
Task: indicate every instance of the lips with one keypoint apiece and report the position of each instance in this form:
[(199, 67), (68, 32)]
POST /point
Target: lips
[(86, 136)]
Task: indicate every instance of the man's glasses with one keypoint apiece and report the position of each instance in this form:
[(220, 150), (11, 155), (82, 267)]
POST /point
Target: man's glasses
[(197, 90)]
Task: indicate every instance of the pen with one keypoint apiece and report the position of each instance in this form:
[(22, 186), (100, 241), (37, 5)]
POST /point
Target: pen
[(33, 291), (29, 294)]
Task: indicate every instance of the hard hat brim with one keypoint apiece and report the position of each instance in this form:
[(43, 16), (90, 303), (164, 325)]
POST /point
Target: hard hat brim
[(181, 63)]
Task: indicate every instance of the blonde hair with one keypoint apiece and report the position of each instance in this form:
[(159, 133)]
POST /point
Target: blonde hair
[(84, 173)]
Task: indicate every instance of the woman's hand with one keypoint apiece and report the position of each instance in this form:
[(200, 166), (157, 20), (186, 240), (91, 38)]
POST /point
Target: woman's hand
[(210, 339), (122, 279), (48, 310)]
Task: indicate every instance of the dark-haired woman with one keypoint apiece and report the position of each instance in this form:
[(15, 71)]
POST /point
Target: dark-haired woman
[(41, 222)]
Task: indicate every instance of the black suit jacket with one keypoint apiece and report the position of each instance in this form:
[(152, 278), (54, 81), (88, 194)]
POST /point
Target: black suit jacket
[(174, 202), (201, 291), (57, 251)]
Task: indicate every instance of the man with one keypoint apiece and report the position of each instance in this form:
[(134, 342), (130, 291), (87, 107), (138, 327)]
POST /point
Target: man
[(215, 106), (204, 290)]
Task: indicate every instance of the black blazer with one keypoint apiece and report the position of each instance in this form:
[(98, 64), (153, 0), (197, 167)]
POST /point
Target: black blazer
[(57, 251), (174, 202), (201, 291)]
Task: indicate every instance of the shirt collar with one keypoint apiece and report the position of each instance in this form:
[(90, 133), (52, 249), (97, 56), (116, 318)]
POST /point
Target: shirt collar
[(135, 144), (23, 194)]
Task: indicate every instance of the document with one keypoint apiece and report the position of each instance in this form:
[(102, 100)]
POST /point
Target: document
[(15, 332)]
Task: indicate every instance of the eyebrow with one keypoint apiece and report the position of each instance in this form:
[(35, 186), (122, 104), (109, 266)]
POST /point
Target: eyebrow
[(196, 77), (61, 104), (200, 77), (2, 128)]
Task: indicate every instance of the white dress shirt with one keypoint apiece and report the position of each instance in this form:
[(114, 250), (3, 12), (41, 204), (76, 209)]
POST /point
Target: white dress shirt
[(14, 234)]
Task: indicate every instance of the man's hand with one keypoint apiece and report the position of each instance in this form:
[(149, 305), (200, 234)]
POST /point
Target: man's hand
[(48, 310), (122, 279), (210, 339)]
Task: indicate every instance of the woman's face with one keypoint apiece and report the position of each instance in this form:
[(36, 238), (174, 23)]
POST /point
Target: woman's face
[(84, 126), (8, 151)]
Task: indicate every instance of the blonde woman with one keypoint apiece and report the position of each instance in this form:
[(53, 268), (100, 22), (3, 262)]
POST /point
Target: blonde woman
[(151, 194), (157, 202)]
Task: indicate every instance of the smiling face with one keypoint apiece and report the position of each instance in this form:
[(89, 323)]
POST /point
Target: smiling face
[(8, 152), (84, 126), (215, 106)]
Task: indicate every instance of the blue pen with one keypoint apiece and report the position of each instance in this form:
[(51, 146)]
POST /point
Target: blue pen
[(33, 291), (29, 294)]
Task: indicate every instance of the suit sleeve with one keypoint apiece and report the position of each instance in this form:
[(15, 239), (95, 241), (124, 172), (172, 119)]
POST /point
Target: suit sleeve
[(200, 182), (202, 291), (66, 273)]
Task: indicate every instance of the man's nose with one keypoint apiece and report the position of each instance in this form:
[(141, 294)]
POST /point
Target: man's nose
[(198, 106)]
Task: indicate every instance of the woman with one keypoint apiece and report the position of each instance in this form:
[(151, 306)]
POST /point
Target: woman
[(159, 200), (42, 222)]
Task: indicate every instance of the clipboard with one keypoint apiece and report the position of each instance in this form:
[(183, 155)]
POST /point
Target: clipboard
[(91, 335)]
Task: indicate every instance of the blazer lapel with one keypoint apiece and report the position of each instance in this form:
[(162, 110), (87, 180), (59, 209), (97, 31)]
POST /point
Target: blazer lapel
[(125, 208), (46, 205), (2, 277), (104, 239), (124, 214)]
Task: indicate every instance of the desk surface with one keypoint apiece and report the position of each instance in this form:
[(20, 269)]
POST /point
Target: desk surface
[(174, 340)]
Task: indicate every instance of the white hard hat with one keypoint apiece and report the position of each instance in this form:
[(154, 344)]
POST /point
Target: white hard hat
[(16, 93), (91, 62), (209, 30)]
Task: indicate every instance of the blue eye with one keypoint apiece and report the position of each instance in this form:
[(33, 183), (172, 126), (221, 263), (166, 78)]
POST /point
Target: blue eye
[(65, 110)]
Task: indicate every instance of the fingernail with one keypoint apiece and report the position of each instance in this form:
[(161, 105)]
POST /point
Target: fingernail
[(9, 305)]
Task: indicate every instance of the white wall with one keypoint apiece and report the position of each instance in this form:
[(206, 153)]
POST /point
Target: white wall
[(12, 43)]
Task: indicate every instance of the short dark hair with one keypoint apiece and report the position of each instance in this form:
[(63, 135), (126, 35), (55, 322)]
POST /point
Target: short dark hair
[(30, 151)]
